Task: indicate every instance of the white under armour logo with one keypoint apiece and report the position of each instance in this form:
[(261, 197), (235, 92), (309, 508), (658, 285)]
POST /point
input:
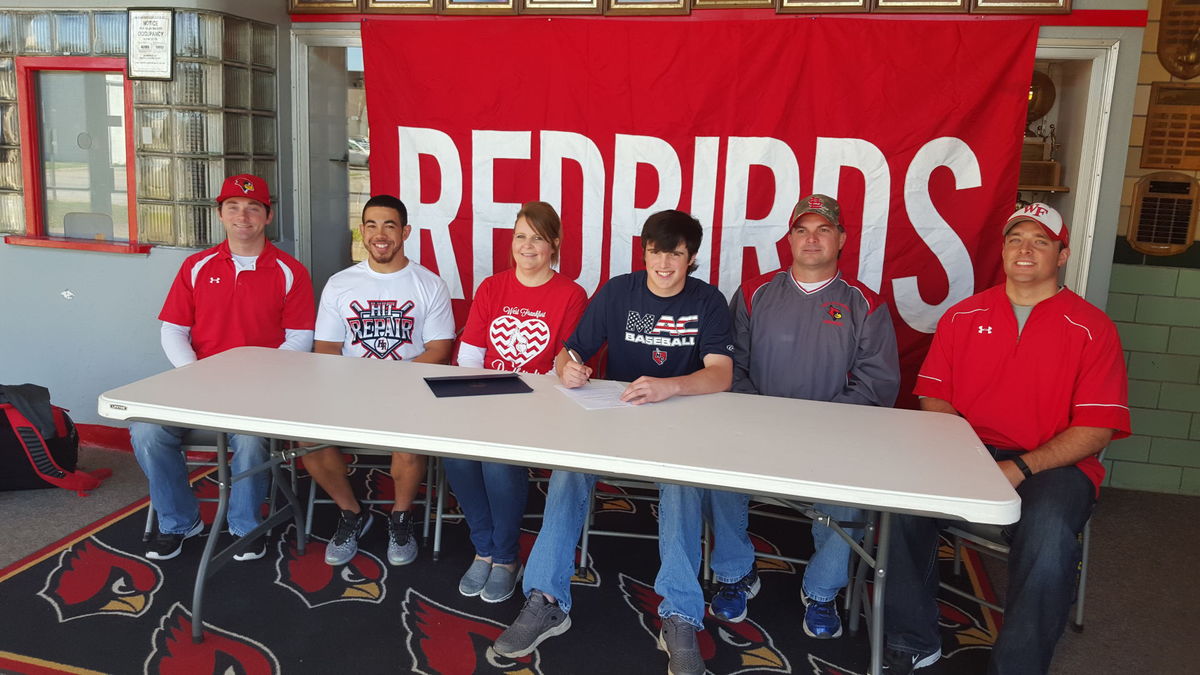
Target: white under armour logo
[(985, 329), (214, 280)]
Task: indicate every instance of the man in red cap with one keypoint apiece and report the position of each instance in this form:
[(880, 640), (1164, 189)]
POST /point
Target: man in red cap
[(1039, 374), (242, 292)]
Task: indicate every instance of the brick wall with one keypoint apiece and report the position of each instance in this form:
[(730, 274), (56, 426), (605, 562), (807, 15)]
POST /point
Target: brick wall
[(1157, 311)]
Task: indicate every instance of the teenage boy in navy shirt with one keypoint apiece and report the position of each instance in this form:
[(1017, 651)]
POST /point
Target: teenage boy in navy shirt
[(668, 334)]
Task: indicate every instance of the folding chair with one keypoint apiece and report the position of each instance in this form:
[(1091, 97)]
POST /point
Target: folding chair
[(989, 540), (441, 517), (196, 443), (804, 513), (652, 498)]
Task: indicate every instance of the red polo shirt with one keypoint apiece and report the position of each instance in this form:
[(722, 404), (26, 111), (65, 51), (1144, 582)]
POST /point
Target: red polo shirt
[(1065, 369), (227, 309)]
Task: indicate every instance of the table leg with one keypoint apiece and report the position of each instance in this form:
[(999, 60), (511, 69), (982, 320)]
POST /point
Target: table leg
[(881, 560), (858, 592), (293, 503), (214, 532)]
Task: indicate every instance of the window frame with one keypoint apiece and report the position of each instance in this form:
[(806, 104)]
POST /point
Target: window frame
[(31, 166)]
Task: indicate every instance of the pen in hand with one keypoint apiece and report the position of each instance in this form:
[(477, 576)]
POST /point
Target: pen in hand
[(575, 357)]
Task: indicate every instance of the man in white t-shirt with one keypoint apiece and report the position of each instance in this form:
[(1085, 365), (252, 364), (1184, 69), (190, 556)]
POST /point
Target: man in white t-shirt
[(386, 307)]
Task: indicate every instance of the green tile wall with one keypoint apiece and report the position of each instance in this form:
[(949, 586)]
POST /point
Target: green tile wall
[(1144, 394), (1133, 448), (1144, 338), (1191, 482), (1157, 312), (1150, 477), (1189, 284), (1179, 397), (1144, 280), (1184, 341), (1163, 367), (1122, 306), (1169, 311), (1175, 452)]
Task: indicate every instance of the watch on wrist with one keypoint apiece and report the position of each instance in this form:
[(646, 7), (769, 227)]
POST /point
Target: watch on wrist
[(1022, 466)]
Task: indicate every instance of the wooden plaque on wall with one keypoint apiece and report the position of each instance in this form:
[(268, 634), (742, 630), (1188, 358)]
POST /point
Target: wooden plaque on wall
[(323, 6), (402, 6), (1179, 38), (1020, 6), (1172, 139), (815, 6), (647, 6), (560, 6), (923, 6)]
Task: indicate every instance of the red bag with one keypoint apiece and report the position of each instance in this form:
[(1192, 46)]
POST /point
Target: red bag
[(29, 461)]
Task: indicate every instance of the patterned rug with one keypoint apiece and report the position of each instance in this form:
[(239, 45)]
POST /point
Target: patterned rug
[(91, 603)]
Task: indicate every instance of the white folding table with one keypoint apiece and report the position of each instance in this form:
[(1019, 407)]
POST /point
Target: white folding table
[(879, 459)]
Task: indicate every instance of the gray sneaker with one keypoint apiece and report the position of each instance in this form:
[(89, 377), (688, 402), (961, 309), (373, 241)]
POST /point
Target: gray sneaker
[(500, 583), (473, 581), (402, 546), (539, 619), (678, 639), (344, 544)]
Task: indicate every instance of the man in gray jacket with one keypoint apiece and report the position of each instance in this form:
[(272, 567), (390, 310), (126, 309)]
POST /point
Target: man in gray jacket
[(807, 332)]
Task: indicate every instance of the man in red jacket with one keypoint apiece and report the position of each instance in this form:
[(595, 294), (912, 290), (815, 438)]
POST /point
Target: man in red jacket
[(1039, 374), (242, 292)]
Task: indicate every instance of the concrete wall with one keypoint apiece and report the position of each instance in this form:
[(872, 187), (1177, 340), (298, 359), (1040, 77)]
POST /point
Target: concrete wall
[(105, 336)]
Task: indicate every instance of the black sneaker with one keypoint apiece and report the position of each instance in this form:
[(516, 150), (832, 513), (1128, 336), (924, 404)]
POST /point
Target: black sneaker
[(539, 619), (402, 546), (898, 662), (167, 546), (344, 544)]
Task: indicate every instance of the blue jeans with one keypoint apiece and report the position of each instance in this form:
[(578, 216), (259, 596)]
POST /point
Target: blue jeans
[(828, 570), (1042, 563), (158, 450), (492, 497), (680, 516)]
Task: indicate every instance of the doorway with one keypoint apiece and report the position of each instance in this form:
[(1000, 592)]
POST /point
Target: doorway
[(332, 142)]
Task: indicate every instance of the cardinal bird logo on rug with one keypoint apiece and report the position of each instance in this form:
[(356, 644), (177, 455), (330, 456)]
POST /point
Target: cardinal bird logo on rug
[(360, 580), (220, 653), (965, 631), (443, 641), (823, 667), (93, 578), (727, 648)]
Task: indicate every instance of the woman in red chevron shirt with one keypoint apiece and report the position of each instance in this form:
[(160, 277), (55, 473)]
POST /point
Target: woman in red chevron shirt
[(518, 322)]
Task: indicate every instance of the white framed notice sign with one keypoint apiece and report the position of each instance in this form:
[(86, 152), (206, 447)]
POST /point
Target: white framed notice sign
[(151, 44)]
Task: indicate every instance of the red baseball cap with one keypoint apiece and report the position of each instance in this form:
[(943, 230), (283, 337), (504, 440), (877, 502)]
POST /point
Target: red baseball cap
[(1044, 215), (245, 185)]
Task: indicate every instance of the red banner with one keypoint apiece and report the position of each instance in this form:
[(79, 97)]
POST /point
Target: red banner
[(915, 126)]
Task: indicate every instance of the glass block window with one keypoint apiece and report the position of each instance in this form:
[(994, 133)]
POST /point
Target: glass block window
[(12, 206), (215, 118)]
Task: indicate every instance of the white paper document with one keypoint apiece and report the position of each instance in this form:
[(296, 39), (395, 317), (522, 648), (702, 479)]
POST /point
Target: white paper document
[(597, 395)]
